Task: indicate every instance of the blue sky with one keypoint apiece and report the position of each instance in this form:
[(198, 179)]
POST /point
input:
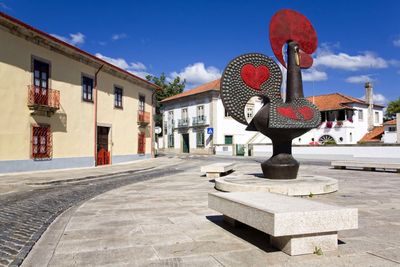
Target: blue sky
[(358, 40)]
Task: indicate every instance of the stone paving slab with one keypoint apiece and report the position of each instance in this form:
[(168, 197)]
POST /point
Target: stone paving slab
[(182, 231)]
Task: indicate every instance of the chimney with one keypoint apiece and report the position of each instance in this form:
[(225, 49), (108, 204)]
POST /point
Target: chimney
[(398, 127), (369, 100)]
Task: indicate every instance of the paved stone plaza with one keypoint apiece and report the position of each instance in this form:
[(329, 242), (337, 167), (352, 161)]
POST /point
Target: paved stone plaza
[(166, 222)]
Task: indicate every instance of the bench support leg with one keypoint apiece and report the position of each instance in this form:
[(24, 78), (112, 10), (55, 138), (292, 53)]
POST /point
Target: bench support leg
[(306, 244), (213, 174)]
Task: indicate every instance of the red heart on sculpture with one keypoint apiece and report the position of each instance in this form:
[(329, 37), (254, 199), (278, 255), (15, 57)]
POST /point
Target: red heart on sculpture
[(287, 112), (254, 76), (306, 112), (290, 112)]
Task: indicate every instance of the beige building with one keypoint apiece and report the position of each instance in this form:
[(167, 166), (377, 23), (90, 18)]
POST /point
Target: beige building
[(62, 107)]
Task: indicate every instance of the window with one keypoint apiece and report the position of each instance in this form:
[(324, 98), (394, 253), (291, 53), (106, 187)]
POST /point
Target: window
[(87, 89), (391, 128), (171, 140), (184, 114), (228, 139), (41, 142), (141, 143), (118, 97), (200, 139), (142, 101), (226, 113), (249, 112), (41, 82), (376, 117), (171, 119), (360, 115), (200, 112)]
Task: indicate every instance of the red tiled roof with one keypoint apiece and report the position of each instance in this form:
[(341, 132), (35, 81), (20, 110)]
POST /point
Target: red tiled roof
[(374, 135), (211, 86), (334, 101), (392, 122), (84, 53)]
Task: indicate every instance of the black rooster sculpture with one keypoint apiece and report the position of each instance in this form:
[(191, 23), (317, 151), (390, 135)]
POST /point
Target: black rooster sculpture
[(258, 75)]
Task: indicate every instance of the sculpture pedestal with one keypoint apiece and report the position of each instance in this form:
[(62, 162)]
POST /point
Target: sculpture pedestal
[(304, 185), (281, 166)]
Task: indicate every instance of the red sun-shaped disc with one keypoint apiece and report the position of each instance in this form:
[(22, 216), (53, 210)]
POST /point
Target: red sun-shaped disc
[(289, 25), (253, 76)]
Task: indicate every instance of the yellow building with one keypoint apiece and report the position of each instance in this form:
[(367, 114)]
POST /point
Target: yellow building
[(61, 107)]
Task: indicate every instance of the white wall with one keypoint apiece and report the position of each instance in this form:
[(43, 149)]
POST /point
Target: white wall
[(229, 126), (351, 151)]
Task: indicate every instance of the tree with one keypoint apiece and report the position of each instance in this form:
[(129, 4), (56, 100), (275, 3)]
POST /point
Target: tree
[(167, 89), (392, 109)]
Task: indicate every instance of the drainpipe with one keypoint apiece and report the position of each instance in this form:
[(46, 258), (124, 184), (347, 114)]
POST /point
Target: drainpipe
[(152, 125), (95, 115)]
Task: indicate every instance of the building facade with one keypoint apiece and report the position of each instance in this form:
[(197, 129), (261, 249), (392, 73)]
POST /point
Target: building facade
[(195, 121), (62, 107), (345, 120)]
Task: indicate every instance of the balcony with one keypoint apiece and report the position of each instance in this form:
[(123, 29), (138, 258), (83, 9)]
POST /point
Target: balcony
[(183, 123), (43, 99), (199, 120), (143, 117)]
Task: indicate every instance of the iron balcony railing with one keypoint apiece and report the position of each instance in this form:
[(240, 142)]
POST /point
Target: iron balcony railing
[(199, 120), (183, 122), (43, 98), (143, 117)]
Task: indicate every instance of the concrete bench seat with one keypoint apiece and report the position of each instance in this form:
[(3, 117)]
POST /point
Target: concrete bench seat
[(295, 225), (215, 170), (365, 165)]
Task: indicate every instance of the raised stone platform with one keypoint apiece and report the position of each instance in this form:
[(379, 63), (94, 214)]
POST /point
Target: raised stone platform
[(365, 165), (304, 185), (295, 225)]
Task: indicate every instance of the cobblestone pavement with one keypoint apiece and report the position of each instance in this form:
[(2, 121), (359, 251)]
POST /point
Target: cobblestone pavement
[(25, 215), (166, 222)]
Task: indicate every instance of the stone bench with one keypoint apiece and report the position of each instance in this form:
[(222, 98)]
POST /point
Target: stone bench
[(215, 170), (295, 225), (365, 165)]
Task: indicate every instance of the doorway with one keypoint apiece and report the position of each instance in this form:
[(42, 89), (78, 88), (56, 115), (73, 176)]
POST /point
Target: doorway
[(185, 143), (103, 153)]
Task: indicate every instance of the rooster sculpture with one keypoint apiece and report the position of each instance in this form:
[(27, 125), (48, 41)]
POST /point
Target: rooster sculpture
[(255, 74)]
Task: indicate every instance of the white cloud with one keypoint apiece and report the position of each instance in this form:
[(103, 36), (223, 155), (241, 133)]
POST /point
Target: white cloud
[(314, 75), (137, 68), (378, 99), (347, 62), (74, 38), (360, 79), (396, 42), (197, 74), (119, 36)]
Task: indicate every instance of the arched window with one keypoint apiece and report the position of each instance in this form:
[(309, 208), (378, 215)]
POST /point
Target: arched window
[(327, 139)]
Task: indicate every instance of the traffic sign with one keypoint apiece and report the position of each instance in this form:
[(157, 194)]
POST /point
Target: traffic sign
[(210, 130)]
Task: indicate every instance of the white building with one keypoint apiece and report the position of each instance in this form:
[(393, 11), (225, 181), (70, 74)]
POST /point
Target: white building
[(195, 121), (390, 132)]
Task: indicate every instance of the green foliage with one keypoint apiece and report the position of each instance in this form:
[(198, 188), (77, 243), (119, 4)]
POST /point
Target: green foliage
[(330, 142), (392, 109), (318, 251), (167, 89)]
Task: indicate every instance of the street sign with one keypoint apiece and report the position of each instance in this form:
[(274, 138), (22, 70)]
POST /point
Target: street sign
[(210, 130), (157, 129)]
